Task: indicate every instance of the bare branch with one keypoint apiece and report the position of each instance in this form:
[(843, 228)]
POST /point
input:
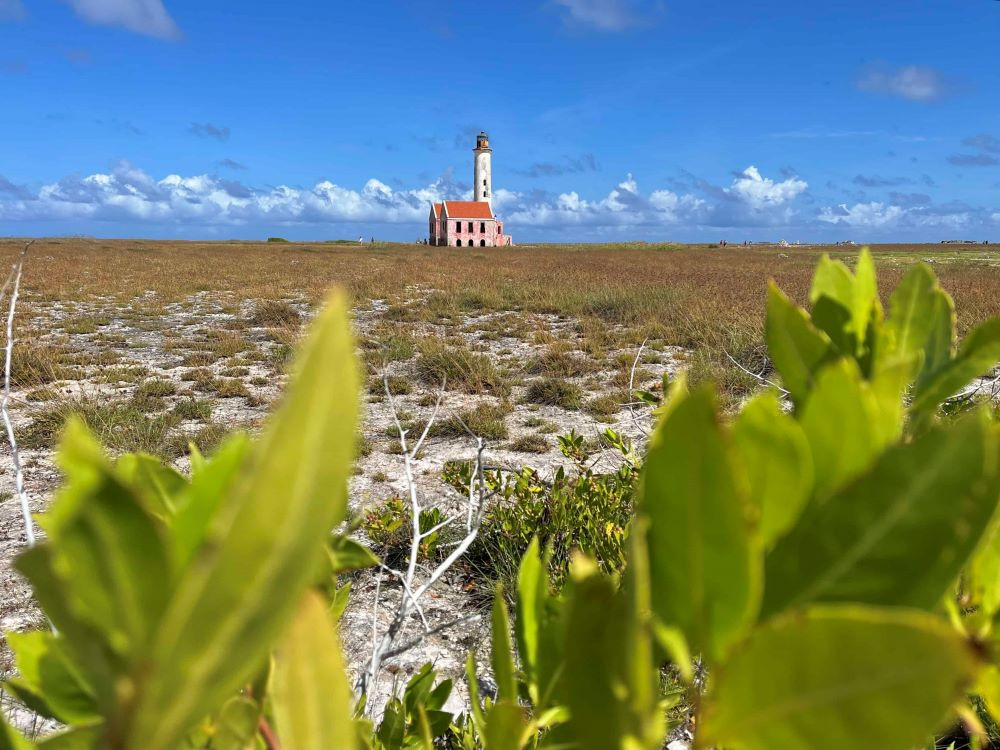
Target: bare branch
[(384, 646), (413, 643), (756, 376), (631, 388), (22, 494)]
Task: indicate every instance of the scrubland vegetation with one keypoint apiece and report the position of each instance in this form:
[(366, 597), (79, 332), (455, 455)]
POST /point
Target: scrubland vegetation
[(791, 541)]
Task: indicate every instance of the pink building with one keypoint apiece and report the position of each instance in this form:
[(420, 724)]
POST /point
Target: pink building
[(470, 223), (465, 224)]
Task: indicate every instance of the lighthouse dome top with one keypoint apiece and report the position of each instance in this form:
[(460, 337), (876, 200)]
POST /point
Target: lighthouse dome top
[(482, 140)]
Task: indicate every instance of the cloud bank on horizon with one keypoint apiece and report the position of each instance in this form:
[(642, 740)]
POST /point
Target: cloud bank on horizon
[(128, 196)]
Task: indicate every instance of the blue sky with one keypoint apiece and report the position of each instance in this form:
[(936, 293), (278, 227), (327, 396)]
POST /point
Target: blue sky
[(610, 119)]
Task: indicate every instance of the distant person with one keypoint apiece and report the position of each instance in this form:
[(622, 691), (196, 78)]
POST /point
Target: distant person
[(361, 240)]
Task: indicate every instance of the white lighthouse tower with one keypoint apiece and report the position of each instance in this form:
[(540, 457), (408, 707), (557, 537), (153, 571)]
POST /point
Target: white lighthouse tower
[(482, 180)]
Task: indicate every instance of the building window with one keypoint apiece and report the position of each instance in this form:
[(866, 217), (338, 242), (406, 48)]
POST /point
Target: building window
[(470, 226), (484, 193), (484, 183), (458, 243), (482, 243), (482, 227)]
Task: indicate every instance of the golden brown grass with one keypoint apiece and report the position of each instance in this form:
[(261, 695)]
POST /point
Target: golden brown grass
[(706, 299)]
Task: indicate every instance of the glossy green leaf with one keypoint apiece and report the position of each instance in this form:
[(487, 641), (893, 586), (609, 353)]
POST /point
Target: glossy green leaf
[(705, 562), (348, 554), (778, 462), (311, 697), (503, 649), (47, 680), (900, 534), (263, 545), (840, 677), (797, 348), (841, 404), (980, 352)]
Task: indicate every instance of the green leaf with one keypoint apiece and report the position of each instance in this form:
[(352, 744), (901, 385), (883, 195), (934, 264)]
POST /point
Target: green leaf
[(900, 534), (844, 404), (472, 682), (843, 303), (939, 349), (157, 483), (348, 554), (236, 725), (610, 685), (983, 575), (47, 680), (505, 726), (311, 697), (77, 738), (795, 346), (392, 729), (10, 738), (705, 564), (538, 628), (840, 677), (912, 310), (503, 649), (779, 465), (263, 546), (980, 352), (210, 485), (532, 587), (832, 279), (105, 557)]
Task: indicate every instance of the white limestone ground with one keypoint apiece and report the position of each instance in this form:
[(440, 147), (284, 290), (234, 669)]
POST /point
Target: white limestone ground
[(108, 340)]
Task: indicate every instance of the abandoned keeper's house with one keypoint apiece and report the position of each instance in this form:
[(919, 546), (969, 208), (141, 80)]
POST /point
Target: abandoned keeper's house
[(470, 223)]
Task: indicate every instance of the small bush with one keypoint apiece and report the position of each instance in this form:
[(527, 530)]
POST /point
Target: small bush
[(36, 364), (554, 392), (157, 388), (605, 406), (463, 369), (557, 362), (193, 408), (530, 443), (273, 313), (122, 427), (276, 239)]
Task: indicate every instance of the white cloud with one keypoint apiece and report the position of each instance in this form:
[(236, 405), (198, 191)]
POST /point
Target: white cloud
[(861, 214), (12, 10), (760, 192), (141, 16), (605, 15), (912, 82)]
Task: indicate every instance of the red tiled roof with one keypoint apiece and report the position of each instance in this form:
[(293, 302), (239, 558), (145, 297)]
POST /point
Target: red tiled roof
[(437, 210), (468, 210)]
